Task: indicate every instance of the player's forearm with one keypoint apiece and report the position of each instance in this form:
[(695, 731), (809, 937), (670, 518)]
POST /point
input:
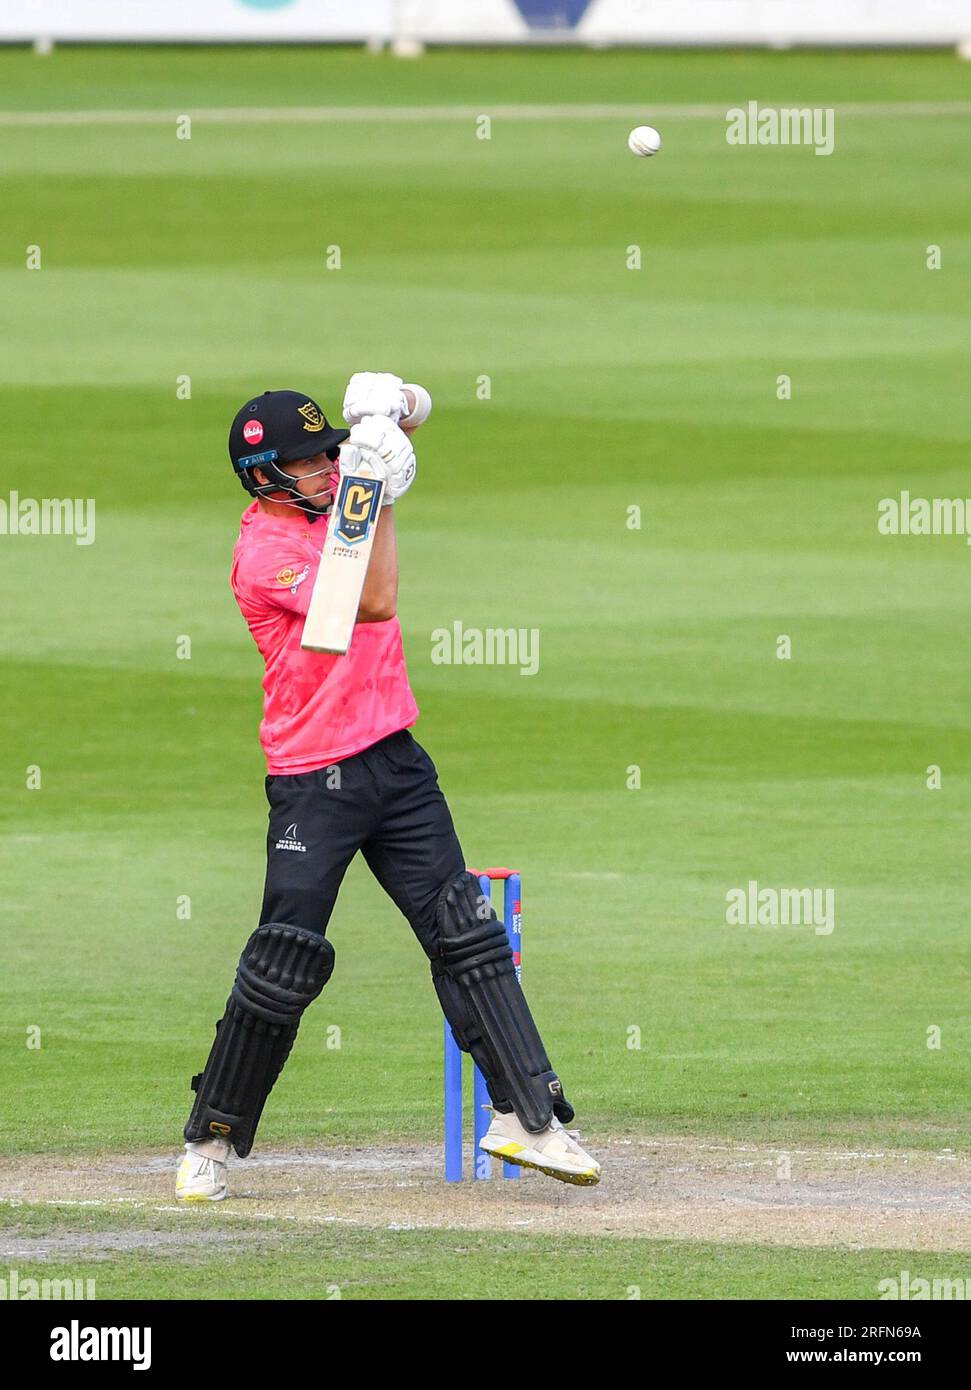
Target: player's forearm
[(379, 599)]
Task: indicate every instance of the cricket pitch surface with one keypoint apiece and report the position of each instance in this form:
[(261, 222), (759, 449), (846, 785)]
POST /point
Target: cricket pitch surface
[(688, 1189)]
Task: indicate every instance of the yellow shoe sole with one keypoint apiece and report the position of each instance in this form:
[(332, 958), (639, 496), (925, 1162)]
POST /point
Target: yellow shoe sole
[(511, 1154)]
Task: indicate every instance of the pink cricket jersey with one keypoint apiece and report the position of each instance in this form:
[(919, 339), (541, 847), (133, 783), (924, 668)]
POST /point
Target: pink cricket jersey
[(317, 708)]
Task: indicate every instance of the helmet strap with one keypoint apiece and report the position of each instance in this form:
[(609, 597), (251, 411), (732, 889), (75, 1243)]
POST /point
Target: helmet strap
[(281, 481)]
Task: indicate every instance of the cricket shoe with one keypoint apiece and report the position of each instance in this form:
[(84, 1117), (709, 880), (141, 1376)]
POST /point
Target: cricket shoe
[(553, 1151), (202, 1173)]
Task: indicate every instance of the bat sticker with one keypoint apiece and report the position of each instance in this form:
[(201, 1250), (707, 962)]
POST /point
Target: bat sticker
[(357, 506)]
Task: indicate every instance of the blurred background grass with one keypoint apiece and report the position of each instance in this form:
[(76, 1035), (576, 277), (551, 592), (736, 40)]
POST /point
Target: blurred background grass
[(610, 389)]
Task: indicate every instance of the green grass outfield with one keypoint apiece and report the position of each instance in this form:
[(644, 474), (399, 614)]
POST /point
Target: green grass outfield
[(166, 1255), (611, 388)]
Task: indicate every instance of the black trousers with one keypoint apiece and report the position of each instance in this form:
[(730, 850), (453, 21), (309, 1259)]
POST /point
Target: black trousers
[(385, 802)]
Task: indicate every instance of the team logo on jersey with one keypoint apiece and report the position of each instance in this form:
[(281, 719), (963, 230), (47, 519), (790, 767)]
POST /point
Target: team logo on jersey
[(252, 431), (315, 421), (292, 579), (357, 506)]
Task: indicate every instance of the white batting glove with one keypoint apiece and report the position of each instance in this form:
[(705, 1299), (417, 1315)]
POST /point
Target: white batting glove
[(387, 451), (374, 393)]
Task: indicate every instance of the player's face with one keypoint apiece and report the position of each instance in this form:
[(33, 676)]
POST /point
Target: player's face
[(316, 478)]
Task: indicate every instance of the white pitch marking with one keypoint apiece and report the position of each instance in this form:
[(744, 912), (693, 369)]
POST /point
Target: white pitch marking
[(344, 115)]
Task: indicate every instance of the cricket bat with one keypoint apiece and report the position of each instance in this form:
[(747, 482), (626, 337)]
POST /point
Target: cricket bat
[(344, 560)]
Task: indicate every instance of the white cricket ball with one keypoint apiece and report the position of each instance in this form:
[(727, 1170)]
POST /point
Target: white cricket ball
[(644, 140)]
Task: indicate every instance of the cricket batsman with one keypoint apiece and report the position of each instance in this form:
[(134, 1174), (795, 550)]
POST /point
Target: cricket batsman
[(345, 775)]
